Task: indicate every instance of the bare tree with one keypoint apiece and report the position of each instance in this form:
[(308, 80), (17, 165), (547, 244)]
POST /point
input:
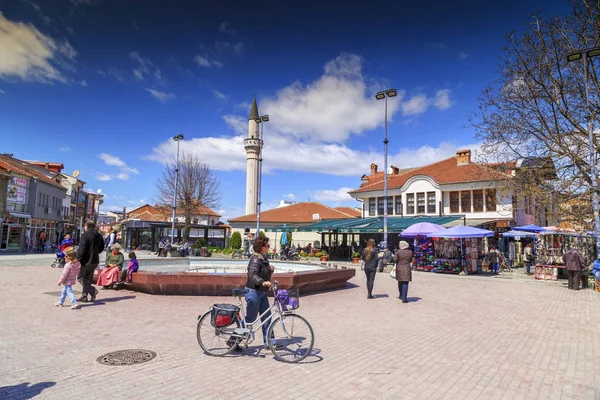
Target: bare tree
[(197, 186), (537, 106)]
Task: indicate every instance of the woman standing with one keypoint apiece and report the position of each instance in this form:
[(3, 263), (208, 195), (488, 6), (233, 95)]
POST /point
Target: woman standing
[(259, 282), (371, 257), (403, 258)]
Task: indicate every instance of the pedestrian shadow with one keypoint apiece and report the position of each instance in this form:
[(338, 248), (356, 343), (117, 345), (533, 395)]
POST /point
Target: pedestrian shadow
[(262, 352), (413, 299), (23, 391), (380, 296), (103, 301)]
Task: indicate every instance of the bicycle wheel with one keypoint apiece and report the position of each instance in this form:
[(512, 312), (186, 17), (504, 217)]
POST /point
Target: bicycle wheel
[(216, 341), (293, 338)]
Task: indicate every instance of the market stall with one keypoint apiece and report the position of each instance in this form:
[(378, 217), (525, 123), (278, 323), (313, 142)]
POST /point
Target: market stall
[(513, 244), (459, 248), (423, 250), (550, 248)]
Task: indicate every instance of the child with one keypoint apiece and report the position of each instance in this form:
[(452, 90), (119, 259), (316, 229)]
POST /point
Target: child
[(131, 268), (68, 278)]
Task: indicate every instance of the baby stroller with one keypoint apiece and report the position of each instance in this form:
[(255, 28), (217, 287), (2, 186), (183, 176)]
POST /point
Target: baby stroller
[(60, 261), (504, 265)]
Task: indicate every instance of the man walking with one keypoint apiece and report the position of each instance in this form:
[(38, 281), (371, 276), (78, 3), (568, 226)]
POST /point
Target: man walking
[(575, 264), (494, 257), (90, 246)]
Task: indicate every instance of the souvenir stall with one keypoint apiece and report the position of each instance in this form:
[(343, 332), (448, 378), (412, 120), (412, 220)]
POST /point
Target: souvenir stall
[(423, 251), (514, 244), (550, 248), (460, 248)]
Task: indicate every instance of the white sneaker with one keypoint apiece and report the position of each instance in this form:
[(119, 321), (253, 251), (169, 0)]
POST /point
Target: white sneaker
[(58, 304), (74, 306)]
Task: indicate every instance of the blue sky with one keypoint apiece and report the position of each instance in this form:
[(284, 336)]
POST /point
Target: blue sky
[(103, 85)]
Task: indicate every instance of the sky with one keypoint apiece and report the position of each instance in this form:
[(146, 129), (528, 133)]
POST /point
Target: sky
[(103, 85)]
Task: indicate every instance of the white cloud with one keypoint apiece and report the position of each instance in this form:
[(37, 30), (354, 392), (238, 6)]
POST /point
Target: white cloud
[(462, 55), (27, 54), (226, 28), (219, 95), (118, 74), (103, 177), (115, 161), (145, 69), (83, 83), (334, 195), (226, 47), (161, 96), (290, 196), (442, 99), (312, 122), (64, 149), (205, 61), (1, 91)]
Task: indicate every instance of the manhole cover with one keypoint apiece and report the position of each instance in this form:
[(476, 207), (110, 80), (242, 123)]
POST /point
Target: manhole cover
[(126, 357)]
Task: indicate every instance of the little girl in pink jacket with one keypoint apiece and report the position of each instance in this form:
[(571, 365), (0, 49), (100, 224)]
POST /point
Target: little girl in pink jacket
[(69, 278)]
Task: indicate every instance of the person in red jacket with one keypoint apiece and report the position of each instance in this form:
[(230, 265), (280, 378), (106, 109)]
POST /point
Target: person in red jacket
[(68, 278)]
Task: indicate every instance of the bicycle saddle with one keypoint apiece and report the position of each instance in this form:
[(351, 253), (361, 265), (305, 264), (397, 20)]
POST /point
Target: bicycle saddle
[(239, 292)]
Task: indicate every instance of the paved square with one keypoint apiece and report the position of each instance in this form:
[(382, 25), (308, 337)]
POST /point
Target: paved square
[(459, 338)]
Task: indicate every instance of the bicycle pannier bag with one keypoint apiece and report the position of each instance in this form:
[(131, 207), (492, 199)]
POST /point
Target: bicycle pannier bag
[(223, 315)]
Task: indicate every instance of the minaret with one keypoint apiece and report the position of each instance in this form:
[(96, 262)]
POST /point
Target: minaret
[(252, 146)]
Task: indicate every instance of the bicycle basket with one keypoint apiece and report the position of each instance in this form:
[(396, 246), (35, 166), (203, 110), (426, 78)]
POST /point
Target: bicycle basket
[(288, 299), (222, 315)]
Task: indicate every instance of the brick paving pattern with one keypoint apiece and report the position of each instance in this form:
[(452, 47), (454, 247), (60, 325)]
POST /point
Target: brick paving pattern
[(458, 338)]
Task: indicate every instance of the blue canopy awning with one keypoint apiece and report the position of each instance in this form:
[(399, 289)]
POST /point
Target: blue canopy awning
[(514, 233), (529, 228)]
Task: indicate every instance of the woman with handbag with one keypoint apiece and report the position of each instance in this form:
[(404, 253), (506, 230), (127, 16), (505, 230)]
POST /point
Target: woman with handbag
[(403, 259), (371, 258)]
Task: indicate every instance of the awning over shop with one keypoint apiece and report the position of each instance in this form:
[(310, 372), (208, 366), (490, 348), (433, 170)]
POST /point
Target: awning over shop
[(476, 222), (367, 225), (20, 215)]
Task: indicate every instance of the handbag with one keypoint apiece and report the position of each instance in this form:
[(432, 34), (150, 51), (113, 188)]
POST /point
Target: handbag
[(393, 273)]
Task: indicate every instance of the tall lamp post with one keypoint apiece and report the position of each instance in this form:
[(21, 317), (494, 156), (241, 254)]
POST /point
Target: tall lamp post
[(259, 120), (383, 95), (584, 54), (177, 138), (99, 203)]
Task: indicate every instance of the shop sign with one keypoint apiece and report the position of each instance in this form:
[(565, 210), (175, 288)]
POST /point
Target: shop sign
[(16, 194), (20, 181)]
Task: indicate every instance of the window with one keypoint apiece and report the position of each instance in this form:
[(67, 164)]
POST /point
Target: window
[(420, 203), (39, 199), (372, 206), (431, 200), (478, 200), (465, 202), (380, 206), (390, 201), (490, 200), (410, 203), (399, 210), (454, 202)]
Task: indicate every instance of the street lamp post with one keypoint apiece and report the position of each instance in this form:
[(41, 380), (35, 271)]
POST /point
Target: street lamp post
[(260, 120), (583, 55), (99, 203), (383, 95), (177, 139)]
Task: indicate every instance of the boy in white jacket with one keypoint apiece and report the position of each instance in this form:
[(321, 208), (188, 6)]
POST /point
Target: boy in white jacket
[(68, 278)]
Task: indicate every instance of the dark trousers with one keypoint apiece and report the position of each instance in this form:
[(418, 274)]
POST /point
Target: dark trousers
[(403, 290), (370, 279), (257, 303), (123, 275), (528, 268), (86, 277), (574, 278)]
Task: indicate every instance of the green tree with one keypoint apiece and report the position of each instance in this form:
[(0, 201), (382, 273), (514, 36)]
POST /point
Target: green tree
[(236, 241)]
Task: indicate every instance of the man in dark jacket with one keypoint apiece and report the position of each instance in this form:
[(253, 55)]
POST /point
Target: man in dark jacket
[(90, 246), (575, 263)]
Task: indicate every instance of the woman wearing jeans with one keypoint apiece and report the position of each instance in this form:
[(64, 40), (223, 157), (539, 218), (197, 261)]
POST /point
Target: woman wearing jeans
[(403, 258), (259, 282), (371, 257)]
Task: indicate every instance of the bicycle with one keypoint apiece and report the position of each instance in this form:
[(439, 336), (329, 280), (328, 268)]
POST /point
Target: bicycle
[(291, 338)]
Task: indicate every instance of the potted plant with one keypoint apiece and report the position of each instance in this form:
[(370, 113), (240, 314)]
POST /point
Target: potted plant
[(355, 257), (324, 256)]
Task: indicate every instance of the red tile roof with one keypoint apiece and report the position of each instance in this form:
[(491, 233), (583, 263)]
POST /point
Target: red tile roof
[(295, 213), (24, 168), (356, 213), (443, 172), (163, 213)]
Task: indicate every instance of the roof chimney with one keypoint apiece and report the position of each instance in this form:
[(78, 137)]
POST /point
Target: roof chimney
[(463, 157), (373, 168), (47, 165), (395, 170)]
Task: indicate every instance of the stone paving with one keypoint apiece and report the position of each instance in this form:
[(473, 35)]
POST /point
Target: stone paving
[(458, 338)]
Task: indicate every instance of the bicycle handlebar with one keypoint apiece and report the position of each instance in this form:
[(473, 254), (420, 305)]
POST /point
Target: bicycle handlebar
[(274, 286)]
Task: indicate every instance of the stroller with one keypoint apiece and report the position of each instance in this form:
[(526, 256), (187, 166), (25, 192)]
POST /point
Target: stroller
[(60, 261)]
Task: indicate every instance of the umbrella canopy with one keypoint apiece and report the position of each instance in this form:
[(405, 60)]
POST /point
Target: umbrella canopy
[(421, 229), (529, 228), (461, 231), (511, 234)]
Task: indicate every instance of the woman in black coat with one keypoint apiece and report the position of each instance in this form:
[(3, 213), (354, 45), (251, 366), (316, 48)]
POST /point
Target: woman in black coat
[(403, 260), (371, 256)]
